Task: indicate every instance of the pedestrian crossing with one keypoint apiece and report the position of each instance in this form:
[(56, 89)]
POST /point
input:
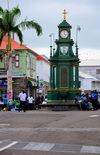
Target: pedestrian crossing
[(51, 147), (51, 129)]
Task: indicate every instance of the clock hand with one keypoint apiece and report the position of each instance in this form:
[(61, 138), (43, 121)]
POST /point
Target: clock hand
[(65, 32)]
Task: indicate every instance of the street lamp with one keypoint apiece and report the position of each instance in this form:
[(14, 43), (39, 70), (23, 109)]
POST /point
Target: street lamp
[(38, 85), (77, 30), (52, 43)]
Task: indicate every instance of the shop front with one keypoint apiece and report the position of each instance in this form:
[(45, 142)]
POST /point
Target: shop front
[(3, 92)]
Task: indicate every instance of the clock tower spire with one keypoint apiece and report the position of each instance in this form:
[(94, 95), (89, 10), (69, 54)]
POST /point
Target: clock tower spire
[(65, 12)]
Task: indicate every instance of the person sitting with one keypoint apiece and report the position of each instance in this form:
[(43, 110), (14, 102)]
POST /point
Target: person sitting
[(78, 100), (89, 102), (85, 102)]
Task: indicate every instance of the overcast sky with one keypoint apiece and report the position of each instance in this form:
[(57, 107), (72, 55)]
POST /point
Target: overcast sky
[(49, 14)]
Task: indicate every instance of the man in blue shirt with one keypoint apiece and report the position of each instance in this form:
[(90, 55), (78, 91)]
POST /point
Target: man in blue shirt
[(94, 100), (5, 101)]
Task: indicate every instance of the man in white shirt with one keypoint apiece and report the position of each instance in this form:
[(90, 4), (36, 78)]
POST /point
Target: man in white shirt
[(22, 97), (31, 102)]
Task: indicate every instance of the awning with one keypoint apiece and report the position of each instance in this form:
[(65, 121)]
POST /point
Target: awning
[(29, 83), (32, 83)]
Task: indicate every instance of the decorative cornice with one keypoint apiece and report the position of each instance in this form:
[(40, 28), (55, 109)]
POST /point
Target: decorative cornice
[(64, 90), (63, 60)]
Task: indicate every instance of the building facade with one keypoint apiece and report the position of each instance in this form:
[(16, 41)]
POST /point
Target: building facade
[(23, 69), (90, 74), (43, 74), (91, 67), (88, 82)]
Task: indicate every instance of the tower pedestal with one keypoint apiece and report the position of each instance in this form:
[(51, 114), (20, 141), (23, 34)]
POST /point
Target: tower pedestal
[(61, 100), (62, 96)]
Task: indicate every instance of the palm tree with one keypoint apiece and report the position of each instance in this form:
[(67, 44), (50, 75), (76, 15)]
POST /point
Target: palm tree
[(8, 24), (8, 20)]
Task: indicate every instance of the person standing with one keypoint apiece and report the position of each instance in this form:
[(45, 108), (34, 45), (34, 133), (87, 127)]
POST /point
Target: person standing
[(27, 104), (31, 102), (94, 100), (22, 97), (5, 101), (17, 104)]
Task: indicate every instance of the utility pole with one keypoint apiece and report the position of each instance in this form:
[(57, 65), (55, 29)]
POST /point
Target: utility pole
[(9, 69), (77, 30), (8, 4)]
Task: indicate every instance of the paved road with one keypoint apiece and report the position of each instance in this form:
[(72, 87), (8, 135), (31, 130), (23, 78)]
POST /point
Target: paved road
[(48, 132)]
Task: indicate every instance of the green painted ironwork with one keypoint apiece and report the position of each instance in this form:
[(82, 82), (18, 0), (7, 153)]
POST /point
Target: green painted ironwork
[(64, 84)]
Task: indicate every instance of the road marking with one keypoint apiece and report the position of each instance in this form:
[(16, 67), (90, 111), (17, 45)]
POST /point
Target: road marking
[(4, 124), (39, 146), (50, 129), (51, 147), (90, 149), (6, 147), (94, 116)]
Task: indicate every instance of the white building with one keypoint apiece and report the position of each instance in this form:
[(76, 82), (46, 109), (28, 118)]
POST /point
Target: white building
[(88, 82), (89, 71), (43, 74), (91, 67)]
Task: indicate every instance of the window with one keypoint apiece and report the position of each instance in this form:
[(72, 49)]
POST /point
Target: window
[(73, 73), (34, 64), (64, 77), (17, 60), (98, 71)]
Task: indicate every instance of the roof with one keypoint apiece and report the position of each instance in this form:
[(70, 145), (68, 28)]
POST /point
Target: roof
[(90, 62), (44, 56), (87, 76), (14, 44), (64, 23), (39, 57)]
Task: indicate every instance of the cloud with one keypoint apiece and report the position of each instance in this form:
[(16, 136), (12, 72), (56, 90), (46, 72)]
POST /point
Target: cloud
[(49, 14), (89, 53)]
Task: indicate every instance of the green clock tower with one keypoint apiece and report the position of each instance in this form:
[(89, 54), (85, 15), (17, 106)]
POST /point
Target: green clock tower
[(64, 65)]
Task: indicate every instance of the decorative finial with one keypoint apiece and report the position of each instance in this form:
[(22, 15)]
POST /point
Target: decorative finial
[(65, 12)]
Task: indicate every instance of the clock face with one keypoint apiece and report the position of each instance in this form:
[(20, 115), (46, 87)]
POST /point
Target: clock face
[(64, 34)]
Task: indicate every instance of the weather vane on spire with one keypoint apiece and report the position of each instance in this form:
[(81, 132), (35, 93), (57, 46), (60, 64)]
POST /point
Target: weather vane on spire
[(65, 12)]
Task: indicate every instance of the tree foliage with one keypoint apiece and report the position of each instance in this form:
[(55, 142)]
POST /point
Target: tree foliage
[(8, 24)]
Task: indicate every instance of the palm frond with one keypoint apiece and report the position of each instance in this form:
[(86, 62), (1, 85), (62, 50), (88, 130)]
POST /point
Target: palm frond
[(2, 34), (9, 18), (16, 11), (31, 24), (18, 32), (8, 25), (1, 10)]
